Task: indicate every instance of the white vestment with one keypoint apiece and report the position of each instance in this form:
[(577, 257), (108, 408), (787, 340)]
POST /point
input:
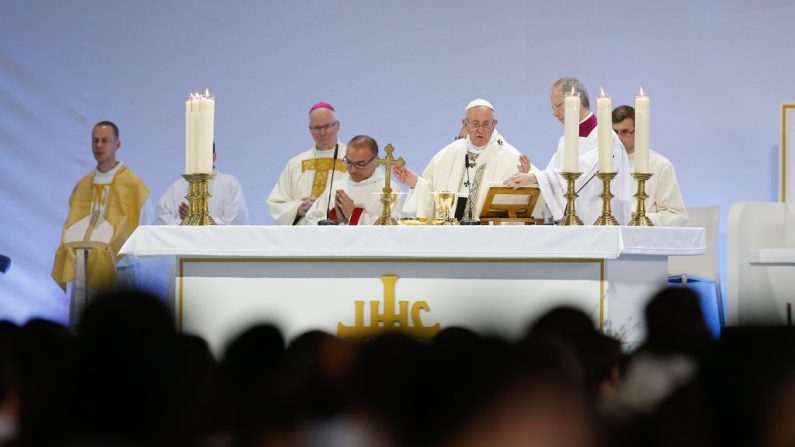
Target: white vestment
[(227, 204), (588, 205), (664, 206), (365, 194), (447, 172), (296, 182)]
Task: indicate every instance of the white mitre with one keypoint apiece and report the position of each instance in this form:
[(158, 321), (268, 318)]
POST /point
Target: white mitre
[(479, 103)]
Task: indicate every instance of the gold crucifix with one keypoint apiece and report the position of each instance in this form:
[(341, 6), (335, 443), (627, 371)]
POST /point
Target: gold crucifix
[(387, 198)]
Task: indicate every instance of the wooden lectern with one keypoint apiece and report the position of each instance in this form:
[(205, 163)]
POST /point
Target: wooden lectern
[(508, 205)]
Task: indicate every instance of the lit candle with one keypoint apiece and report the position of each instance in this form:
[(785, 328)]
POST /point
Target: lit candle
[(604, 121), (199, 125), (641, 133), (571, 132)]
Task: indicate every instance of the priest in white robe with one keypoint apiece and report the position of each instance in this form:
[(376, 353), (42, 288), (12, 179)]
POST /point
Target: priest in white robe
[(553, 186), (308, 174), (664, 206), (357, 198), (227, 204), (468, 166)]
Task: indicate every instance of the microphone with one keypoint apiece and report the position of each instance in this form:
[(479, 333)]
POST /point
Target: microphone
[(469, 220), (329, 221)]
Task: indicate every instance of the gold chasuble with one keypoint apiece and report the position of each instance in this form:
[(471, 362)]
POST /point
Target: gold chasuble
[(321, 166), (105, 232)]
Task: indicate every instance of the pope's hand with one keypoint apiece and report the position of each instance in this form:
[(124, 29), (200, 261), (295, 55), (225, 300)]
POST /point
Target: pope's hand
[(524, 164), (343, 203), (306, 203), (405, 176), (520, 179)]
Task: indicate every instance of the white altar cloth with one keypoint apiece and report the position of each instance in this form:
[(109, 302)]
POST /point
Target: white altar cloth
[(504, 241), (490, 279)]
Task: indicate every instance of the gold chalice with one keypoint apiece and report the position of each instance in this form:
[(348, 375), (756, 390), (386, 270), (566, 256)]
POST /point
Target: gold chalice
[(445, 201)]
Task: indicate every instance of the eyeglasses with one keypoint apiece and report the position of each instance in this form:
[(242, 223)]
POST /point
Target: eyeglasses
[(624, 132), (358, 164), (319, 129), (558, 106), (476, 125)]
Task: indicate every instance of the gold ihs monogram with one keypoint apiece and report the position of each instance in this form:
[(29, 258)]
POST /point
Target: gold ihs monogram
[(389, 320)]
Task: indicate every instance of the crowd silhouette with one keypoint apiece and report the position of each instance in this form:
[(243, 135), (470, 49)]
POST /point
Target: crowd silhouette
[(126, 377)]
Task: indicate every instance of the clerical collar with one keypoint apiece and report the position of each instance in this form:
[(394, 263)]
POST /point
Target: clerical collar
[(378, 174), (587, 125), (325, 153), (472, 148), (102, 178)]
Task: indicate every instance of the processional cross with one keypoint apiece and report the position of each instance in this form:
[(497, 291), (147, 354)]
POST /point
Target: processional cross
[(387, 198)]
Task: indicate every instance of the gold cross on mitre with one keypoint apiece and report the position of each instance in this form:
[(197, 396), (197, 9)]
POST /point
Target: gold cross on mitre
[(387, 198)]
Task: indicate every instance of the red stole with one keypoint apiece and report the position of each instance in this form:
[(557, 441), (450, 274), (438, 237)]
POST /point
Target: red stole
[(354, 219), (587, 126)]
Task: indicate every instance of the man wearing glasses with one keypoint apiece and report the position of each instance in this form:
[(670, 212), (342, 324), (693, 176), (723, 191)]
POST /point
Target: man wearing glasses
[(308, 174), (357, 198), (588, 187), (467, 166), (664, 206)]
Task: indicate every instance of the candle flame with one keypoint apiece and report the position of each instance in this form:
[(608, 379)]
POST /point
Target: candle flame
[(207, 92), (573, 91), (641, 92), (602, 92)]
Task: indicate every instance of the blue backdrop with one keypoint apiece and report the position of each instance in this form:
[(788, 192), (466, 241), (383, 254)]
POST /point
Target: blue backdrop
[(401, 71)]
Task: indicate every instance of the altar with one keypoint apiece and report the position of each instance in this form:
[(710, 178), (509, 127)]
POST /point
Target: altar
[(361, 281)]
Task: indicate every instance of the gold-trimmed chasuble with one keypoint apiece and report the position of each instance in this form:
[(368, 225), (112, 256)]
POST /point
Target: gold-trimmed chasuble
[(321, 166)]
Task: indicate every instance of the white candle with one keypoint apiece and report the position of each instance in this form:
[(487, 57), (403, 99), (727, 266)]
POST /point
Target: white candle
[(641, 133), (199, 130), (571, 132), (604, 121)]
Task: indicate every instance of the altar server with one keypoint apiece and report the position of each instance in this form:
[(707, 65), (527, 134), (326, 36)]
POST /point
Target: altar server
[(664, 206), (588, 186), (356, 199), (105, 207), (227, 204), (308, 174), (467, 166)]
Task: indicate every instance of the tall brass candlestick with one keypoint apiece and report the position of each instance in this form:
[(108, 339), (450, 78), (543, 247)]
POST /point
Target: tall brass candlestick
[(198, 195), (640, 219), (570, 218), (607, 215)]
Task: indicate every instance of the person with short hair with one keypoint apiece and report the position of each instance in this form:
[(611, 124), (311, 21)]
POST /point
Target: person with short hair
[(308, 174), (551, 182), (466, 166), (356, 198), (105, 207), (664, 206)]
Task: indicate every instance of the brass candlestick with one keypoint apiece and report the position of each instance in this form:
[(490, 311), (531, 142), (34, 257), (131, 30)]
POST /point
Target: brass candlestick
[(640, 219), (198, 195), (607, 216), (570, 218)]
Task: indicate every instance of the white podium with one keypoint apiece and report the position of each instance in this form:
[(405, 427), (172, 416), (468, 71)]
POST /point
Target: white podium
[(359, 281)]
